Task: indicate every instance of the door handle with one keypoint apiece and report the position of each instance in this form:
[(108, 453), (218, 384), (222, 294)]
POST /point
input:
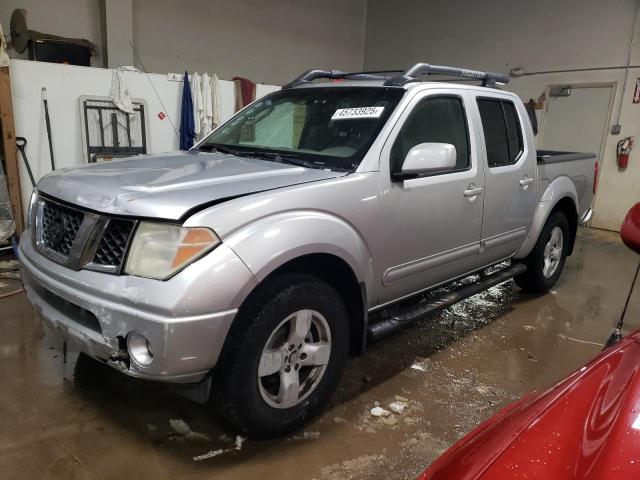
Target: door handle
[(526, 181), (473, 192)]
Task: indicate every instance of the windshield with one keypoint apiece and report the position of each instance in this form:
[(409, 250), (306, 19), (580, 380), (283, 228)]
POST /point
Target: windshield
[(324, 127)]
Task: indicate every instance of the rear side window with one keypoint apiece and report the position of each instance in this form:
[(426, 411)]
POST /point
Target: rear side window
[(435, 119), (514, 133), (502, 132)]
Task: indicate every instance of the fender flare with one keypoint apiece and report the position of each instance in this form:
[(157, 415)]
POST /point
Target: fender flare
[(260, 244), (560, 188)]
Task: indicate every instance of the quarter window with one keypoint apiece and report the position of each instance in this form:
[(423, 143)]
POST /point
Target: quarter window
[(435, 119), (502, 132)]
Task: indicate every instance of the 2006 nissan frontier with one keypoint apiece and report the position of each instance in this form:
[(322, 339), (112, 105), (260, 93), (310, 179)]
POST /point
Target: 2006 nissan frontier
[(318, 218)]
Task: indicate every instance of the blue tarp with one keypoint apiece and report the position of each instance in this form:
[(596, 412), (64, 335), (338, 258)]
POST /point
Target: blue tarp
[(187, 125)]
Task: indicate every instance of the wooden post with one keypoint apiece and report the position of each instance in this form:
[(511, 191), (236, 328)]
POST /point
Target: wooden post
[(10, 149)]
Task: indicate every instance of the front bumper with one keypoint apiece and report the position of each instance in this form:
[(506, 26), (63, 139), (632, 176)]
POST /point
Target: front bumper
[(185, 318)]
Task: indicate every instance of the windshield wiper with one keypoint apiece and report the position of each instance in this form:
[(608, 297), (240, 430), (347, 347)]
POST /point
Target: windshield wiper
[(277, 157), (292, 160), (271, 156), (286, 158), (216, 147)]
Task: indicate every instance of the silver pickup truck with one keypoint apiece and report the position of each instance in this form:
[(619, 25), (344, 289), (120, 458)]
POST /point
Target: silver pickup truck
[(317, 219)]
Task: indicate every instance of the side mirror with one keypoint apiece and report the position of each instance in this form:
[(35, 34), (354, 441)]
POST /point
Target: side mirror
[(428, 158)]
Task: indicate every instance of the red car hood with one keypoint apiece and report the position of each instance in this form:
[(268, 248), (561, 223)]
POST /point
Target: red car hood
[(585, 427)]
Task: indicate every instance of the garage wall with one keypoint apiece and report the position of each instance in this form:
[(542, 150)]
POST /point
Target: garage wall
[(267, 42), (67, 18), (65, 84), (538, 36), (499, 34), (618, 189)]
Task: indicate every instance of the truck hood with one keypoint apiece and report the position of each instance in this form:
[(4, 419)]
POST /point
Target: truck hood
[(170, 185)]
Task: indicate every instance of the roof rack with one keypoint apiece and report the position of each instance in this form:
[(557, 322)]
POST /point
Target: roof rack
[(311, 75), (488, 79)]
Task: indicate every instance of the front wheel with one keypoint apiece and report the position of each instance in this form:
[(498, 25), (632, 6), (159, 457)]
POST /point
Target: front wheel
[(285, 358), (546, 260)]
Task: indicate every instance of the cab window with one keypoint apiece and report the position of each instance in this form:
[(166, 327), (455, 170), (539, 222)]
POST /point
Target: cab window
[(502, 132), (435, 119)]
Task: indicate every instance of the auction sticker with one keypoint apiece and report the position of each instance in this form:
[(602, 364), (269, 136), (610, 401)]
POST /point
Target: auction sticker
[(359, 112)]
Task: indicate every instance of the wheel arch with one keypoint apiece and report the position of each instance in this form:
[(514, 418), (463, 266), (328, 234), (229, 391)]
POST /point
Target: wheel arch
[(561, 196), (335, 272), (568, 207)]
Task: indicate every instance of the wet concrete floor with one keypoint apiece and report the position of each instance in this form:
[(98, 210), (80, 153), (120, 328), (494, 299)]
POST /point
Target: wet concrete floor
[(78, 419)]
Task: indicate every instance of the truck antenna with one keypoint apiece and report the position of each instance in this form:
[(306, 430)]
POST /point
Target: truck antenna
[(617, 333)]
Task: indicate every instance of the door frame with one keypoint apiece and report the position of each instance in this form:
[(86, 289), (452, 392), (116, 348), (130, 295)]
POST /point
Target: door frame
[(545, 110), (605, 131)]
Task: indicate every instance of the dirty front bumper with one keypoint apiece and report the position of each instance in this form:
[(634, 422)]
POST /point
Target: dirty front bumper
[(185, 319)]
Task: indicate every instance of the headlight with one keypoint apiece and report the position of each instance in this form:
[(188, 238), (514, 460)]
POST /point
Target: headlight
[(32, 207), (159, 250)]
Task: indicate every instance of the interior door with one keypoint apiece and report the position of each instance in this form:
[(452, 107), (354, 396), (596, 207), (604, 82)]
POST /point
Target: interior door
[(579, 123), (576, 123), (510, 176), (430, 224)]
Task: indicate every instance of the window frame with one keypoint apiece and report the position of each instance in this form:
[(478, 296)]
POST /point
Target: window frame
[(502, 101), (399, 176)]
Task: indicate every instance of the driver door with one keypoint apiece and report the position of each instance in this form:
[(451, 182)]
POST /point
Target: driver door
[(430, 224)]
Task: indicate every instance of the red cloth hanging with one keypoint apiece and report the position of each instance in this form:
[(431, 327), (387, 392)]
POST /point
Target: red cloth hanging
[(245, 92)]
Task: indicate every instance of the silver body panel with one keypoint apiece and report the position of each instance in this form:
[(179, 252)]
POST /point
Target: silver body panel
[(398, 237), (168, 186)]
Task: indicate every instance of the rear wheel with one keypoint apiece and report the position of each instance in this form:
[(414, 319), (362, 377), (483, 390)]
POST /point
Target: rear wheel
[(546, 260), (286, 356)]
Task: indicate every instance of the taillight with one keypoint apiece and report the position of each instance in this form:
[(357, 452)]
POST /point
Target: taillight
[(596, 172)]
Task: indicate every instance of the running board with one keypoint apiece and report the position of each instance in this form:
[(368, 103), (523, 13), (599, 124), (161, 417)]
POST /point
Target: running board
[(398, 319)]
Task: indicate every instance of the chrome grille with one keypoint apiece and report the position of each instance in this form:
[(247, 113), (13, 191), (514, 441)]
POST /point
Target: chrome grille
[(114, 242), (81, 239), (60, 225)]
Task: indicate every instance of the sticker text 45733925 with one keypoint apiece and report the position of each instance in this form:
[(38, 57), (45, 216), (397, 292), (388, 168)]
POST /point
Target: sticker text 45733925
[(359, 112)]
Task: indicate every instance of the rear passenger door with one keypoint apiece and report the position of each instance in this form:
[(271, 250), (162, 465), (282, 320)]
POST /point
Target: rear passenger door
[(510, 176)]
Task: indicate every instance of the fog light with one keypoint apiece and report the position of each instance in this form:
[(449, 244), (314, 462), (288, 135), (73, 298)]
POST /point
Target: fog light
[(139, 349)]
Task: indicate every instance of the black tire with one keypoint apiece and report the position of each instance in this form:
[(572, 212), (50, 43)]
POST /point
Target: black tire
[(236, 390), (534, 279)]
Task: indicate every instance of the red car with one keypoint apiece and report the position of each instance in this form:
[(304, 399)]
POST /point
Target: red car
[(585, 427)]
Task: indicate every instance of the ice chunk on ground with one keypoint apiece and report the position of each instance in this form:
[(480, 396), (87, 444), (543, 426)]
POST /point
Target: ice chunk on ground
[(380, 412), (181, 427), (209, 454), (239, 441), (420, 364), (398, 407)]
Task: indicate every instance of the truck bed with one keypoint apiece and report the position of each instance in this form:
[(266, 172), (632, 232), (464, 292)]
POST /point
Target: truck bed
[(554, 156), (579, 167)]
